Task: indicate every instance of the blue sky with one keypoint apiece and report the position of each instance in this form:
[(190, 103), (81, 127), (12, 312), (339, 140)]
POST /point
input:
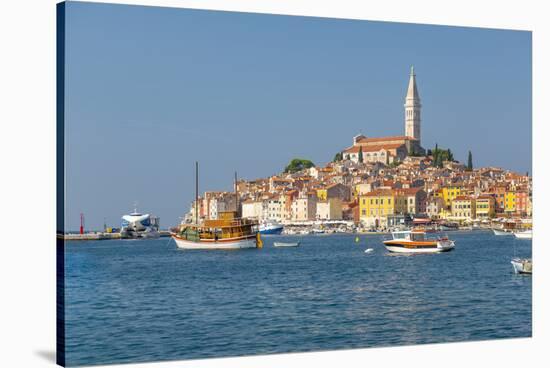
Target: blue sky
[(151, 90)]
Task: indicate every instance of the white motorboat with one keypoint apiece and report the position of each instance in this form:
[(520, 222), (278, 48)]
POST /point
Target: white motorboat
[(499, 232), (281, 244), (522, 265), (527, 234), (270, 228), (415, 241)]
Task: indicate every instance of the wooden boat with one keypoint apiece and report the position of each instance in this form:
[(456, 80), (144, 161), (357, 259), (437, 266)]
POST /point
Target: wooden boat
[(527, 234), (281, 244), (522, 266), (228, 231), (415, 241)]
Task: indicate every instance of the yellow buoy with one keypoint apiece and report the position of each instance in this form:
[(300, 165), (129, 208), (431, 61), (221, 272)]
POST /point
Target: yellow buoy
[(357, 239), (259, 242)]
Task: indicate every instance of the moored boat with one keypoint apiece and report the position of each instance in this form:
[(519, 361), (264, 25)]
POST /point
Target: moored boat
[(281, 244), (500, 232), (415, 241), (522, 265), (227, 231), (137, 225), (270, 228), (527, 234)]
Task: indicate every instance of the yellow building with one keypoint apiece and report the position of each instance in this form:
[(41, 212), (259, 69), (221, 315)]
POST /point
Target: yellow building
[(375, 206), (322, 194), (449, 193), (463, 208), (444, 214), (510, 202), (485, 207)]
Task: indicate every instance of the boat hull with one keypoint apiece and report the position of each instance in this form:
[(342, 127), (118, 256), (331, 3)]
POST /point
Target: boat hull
[(526, 235), (272, 230), (502, 232), (240, 243), (419, 247), (522, 266), (277, 244)]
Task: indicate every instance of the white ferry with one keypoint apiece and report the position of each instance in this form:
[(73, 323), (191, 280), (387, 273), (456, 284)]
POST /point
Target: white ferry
[(415, 241), (138, 225)]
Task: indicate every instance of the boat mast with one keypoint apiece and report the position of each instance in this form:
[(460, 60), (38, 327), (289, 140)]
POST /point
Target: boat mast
[(197, 192), (236, 196)]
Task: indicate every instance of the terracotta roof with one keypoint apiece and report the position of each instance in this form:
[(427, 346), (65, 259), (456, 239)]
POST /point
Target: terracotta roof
[(485, 196), (463, 198), (377, 148), (384, 139), (409, 191), (380, 192)]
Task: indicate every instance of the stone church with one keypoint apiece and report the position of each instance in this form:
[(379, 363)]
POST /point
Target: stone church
[(394, 148)]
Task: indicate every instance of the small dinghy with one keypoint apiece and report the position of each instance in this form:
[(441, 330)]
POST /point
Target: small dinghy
[(500, 232), (369, 250), (280, 244), (522, 265)]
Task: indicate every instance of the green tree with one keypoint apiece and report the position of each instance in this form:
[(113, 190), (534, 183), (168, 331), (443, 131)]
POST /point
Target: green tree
[(470, 165), (439, 160), (361, 155), (450, 156), (298, 164), (337, 157)]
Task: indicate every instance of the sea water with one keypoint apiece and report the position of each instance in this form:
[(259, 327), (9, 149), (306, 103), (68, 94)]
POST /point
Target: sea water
[(147, 300)]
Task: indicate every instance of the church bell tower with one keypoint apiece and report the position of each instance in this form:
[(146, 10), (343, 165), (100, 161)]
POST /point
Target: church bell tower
[(412, 109)]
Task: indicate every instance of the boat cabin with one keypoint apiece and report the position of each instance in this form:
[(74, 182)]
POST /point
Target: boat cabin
[(227, 226), (409, 235)]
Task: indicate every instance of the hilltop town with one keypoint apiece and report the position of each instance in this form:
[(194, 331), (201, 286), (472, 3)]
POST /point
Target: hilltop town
[(378, 183)]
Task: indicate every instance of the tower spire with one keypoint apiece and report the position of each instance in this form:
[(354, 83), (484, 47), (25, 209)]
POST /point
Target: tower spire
[(412, 108)]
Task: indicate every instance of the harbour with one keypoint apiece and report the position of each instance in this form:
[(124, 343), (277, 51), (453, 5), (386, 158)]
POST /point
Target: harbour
[(326, 293)]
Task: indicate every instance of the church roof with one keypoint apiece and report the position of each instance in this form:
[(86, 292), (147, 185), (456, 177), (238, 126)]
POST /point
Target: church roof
[(386, 139), (355, 149)]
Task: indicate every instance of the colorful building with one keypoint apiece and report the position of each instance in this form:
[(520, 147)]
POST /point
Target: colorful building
[(485, 207), (449, 193), (522, 203), (463, 208), (510, 202), (331, 209), (374, 207)]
